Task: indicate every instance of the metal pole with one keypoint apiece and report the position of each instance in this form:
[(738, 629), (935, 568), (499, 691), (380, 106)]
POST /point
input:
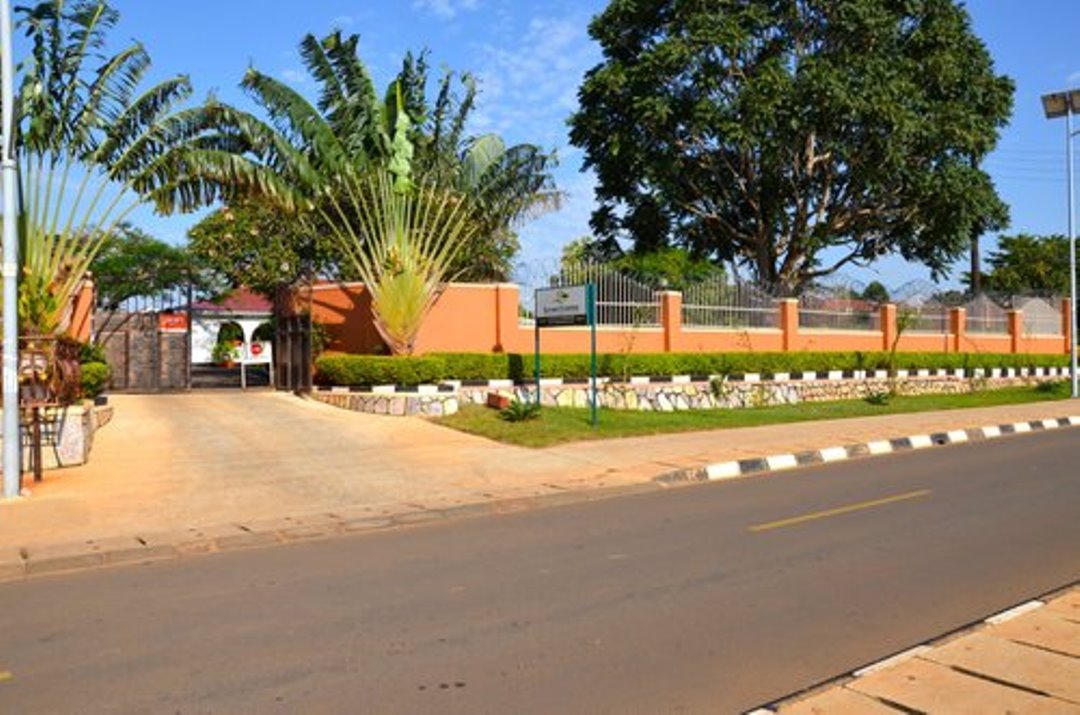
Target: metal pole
[(11, 459), (536, 351), (590, 303), (1072, 243)]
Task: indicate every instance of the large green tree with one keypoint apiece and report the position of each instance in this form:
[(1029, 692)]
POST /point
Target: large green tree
[(1025, 263), (253, 243), (767, 132), (132, 263)]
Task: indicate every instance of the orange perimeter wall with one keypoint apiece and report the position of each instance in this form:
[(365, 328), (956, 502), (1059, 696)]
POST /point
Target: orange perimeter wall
[(472, 317)]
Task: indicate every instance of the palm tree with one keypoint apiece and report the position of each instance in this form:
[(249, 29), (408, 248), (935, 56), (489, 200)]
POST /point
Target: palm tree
[(92, 147), (349, 129)]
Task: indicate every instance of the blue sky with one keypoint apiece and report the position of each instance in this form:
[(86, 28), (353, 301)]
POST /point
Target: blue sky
[(530, 56)]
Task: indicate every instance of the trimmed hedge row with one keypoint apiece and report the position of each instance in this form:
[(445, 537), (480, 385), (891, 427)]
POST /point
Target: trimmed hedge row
[(340, 369)]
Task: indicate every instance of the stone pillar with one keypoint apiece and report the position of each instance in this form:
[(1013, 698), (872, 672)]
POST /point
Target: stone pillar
[(957, 328), (789, 323), (671, 319), (507, 301), (888, 325), (1067, 323), (1016, 329)]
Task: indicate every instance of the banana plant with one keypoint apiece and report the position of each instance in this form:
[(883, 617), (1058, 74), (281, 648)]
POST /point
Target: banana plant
[(92, 146)]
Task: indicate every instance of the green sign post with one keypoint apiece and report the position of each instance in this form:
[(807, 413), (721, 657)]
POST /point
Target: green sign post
[(567, 306)]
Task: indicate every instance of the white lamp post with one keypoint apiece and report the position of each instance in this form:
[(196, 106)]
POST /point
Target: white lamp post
[(11, 459), (1066, 104)]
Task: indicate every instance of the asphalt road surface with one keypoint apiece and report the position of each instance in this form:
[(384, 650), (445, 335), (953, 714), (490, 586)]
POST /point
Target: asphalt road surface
[(715, 598)]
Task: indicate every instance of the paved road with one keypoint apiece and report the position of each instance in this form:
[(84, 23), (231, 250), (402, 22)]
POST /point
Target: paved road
[(705, 599)]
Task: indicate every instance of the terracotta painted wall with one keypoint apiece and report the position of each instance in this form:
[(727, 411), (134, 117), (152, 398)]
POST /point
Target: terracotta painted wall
[(82, 313), (484, 318)]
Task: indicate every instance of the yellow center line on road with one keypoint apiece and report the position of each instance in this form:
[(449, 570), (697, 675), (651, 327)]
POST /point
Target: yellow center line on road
[(5, 675), (813, 516)]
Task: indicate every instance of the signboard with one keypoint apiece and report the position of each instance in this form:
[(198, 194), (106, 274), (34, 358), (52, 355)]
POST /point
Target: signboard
[(569, 305), (172, 322), (257, 353), (562, 306)]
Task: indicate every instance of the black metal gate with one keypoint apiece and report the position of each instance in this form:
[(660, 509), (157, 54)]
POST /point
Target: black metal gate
[(292, 353), (148, 351)]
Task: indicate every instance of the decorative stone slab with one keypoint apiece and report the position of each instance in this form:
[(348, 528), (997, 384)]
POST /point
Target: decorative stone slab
[(923, 686), (1043, 629), (1010, 662), (837, 701)]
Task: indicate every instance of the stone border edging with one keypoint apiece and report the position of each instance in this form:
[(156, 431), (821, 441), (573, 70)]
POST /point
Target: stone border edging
[(451, 385), (779, 462)]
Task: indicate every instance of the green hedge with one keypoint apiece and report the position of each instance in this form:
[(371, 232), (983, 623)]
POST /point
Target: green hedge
[(95, 377), (338, 369)]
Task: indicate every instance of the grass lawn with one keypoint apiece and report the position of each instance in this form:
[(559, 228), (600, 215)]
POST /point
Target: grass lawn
[(558, 425)]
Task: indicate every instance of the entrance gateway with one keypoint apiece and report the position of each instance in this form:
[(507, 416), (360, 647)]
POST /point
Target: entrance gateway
[(567, 306)]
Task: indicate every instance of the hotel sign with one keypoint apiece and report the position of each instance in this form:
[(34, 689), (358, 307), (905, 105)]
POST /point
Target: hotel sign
[(562, 306)]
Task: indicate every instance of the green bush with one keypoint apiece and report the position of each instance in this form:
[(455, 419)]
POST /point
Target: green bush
[(519, 411), (338, 369), (95, 378), (91, 352)]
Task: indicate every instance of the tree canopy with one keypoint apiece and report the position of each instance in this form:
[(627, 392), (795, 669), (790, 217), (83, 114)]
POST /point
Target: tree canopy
[(133, 263), (1029, 264), (254, 244), (302, 152), (771, 133)]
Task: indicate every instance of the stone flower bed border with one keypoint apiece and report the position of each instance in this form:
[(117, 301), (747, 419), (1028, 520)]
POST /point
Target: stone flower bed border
[(677, 392)]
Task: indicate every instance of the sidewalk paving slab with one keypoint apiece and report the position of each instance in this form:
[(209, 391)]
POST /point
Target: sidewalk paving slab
[(1043, 629), (927, 687), (1021, 665), (985, 669)]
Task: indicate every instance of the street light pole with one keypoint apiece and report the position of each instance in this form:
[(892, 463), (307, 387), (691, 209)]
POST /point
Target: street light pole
[(12, 461), (1070, 165), (1066, 104)]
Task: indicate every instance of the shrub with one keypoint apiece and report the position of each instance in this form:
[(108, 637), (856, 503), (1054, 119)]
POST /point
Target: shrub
[(519, 411), (92, 352), (95, 378), (339, 369)]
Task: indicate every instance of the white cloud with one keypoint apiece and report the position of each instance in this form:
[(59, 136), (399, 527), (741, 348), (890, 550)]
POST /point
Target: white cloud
[(528, 89), (294, 76), (445, 8), (1074, 78), (341, 22)]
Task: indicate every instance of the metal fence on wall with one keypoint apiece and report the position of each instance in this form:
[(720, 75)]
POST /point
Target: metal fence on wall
[(620, 299), (719, 303)]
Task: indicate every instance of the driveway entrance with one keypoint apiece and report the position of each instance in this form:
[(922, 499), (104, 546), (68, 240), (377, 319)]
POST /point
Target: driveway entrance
[(181, 460)]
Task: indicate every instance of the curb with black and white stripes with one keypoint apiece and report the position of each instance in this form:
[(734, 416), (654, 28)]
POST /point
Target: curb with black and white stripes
[(819, 375), (779, 462)]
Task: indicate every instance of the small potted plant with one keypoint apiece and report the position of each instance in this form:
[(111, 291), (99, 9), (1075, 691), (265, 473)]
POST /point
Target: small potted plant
[(224, 354)]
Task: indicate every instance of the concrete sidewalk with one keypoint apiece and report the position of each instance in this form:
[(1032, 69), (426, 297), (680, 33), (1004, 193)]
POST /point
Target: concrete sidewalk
[(1024, 661), (194, 472)]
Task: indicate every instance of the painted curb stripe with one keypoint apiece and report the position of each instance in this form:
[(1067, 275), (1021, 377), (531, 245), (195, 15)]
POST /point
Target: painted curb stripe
[(1012, 613), (780, 462)]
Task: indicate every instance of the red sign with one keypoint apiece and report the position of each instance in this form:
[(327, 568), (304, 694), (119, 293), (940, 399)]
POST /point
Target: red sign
[(172, 322), (256, 349)]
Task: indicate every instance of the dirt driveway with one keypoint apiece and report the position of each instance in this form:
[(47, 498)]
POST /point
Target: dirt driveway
[(204, 458)]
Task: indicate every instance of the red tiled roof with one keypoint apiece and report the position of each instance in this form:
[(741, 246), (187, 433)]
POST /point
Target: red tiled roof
[(240, 300)]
